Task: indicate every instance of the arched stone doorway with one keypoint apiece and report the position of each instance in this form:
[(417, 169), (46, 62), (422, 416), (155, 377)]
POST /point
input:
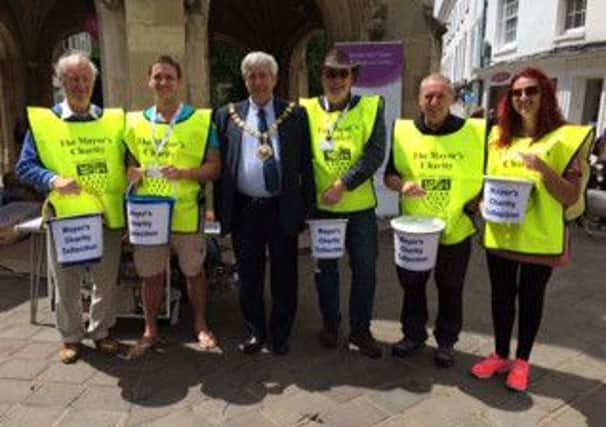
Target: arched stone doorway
[(283, 28), (29, 33), (12, 87), (274, 26)]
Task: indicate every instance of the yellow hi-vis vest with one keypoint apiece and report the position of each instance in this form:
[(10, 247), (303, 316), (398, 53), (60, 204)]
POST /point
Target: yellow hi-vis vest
[(89, 152), (185, 150), (542, 232), (448, 167), (350, 138)]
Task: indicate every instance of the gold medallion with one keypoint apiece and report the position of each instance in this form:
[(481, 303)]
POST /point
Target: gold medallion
[(265, 152)]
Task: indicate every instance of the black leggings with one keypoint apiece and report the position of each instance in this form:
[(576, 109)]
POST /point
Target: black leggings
[(510, 278)]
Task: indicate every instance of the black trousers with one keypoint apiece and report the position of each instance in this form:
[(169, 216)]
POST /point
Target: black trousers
[(526, 281), (257, 229), (449, 275)]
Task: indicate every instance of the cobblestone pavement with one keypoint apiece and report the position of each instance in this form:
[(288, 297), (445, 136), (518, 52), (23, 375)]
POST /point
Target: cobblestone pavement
[(179, 385)]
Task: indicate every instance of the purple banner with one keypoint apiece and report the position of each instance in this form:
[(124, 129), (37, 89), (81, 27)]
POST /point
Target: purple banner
[(380, 63)]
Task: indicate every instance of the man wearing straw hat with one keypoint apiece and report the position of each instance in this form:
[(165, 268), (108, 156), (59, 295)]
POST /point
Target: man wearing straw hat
[(264, 195), (436, 164), (176, 150), (75, 152), (348, 146)]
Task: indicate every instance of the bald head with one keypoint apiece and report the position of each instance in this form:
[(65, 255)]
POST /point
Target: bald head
[(436, 95)]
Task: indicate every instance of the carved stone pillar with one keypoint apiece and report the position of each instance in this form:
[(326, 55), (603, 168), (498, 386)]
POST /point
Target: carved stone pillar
[(197, 63), (153, 27), (298, 81), (12, 96), (114, 53)]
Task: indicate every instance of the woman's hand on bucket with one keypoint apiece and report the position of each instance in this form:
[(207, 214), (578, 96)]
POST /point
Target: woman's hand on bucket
[(534, 162), (135, 174), (412, 189)]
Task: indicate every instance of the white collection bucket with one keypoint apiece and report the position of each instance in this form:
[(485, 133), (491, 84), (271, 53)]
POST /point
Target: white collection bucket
[(327, 237), (77, 240), (416, 241), (149, 219), (505, 199)]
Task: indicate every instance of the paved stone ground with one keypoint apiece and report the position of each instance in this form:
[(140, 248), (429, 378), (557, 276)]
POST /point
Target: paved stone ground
[(180, 385)]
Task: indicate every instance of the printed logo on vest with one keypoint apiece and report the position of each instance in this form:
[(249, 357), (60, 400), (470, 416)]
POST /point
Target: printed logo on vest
[(438, 193)]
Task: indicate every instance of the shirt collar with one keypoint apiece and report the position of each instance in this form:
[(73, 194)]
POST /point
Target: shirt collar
[(269, 106), (67, 113), (450, 125), (161, 119)]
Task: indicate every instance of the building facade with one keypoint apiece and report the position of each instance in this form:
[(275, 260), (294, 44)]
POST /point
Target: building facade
[(126, 35), (565, 38)]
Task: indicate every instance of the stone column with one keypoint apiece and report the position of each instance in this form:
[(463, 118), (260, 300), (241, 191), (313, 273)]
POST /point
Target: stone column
[(153, 27), (114, 58), (12, 100), (298, 81), (197, 64)]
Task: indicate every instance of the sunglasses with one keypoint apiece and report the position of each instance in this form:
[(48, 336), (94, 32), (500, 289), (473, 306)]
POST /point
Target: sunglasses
[(331, 73), (528, 91)]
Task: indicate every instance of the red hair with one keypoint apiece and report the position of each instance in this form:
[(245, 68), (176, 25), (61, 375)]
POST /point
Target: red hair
[(549, 115)]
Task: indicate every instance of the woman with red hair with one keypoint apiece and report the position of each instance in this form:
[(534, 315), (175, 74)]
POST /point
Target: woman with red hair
[(532, 142)]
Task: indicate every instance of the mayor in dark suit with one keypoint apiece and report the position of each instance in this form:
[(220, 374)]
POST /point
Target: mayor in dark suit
[(263, 197)]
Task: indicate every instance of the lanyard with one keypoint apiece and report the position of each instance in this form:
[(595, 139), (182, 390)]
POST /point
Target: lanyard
[(330, 129), (160, 145)]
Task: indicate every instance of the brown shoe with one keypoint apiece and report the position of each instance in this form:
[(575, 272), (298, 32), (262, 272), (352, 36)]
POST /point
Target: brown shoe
[(366, 343), (70, 353), (107, 345), (329, 335)]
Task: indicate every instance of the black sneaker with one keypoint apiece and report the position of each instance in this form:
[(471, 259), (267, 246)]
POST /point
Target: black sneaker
[(366, 343), (405, 347), (444, 356)]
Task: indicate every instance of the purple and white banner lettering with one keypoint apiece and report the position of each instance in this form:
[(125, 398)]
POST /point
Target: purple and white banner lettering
[(381, 65)]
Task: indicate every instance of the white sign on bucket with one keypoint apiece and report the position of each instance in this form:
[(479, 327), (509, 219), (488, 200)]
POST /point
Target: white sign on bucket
[(77, 240), (327, 237), (149, 219), (416, 241), (505, 199)]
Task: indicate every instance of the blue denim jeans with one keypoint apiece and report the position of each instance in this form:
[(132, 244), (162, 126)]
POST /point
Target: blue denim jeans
[(361, 243)]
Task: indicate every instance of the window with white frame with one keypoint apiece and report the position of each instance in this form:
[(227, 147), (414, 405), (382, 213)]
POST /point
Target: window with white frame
[(575, 14), (509, 21)]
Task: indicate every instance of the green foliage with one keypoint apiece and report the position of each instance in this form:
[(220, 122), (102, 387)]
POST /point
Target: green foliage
[(316, 50), (225, 78)]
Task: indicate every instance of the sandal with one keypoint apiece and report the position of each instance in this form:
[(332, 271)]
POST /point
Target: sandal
[(206, 339), (142, 346), (70, 353), (107, 345)]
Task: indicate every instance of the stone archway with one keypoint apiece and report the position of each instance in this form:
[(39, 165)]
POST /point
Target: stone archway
[(283, 28), (12, 90), (274, 26)]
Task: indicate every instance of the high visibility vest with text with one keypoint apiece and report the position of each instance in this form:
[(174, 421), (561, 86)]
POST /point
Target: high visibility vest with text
[(542, 231), (91, 153), (448, 167), (350, 138), (184, 150)]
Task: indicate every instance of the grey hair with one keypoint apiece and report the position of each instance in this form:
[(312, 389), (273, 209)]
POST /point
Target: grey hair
[(70, 58), (437, 77), (256, 60)]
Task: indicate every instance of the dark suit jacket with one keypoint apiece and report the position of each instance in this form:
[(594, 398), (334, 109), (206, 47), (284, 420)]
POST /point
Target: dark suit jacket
[(298, 193)]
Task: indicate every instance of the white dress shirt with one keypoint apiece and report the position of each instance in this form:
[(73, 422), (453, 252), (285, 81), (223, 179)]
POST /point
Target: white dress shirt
[(250, 167)]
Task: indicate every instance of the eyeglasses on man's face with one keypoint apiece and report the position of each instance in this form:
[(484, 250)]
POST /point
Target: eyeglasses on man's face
[(332, 73)]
